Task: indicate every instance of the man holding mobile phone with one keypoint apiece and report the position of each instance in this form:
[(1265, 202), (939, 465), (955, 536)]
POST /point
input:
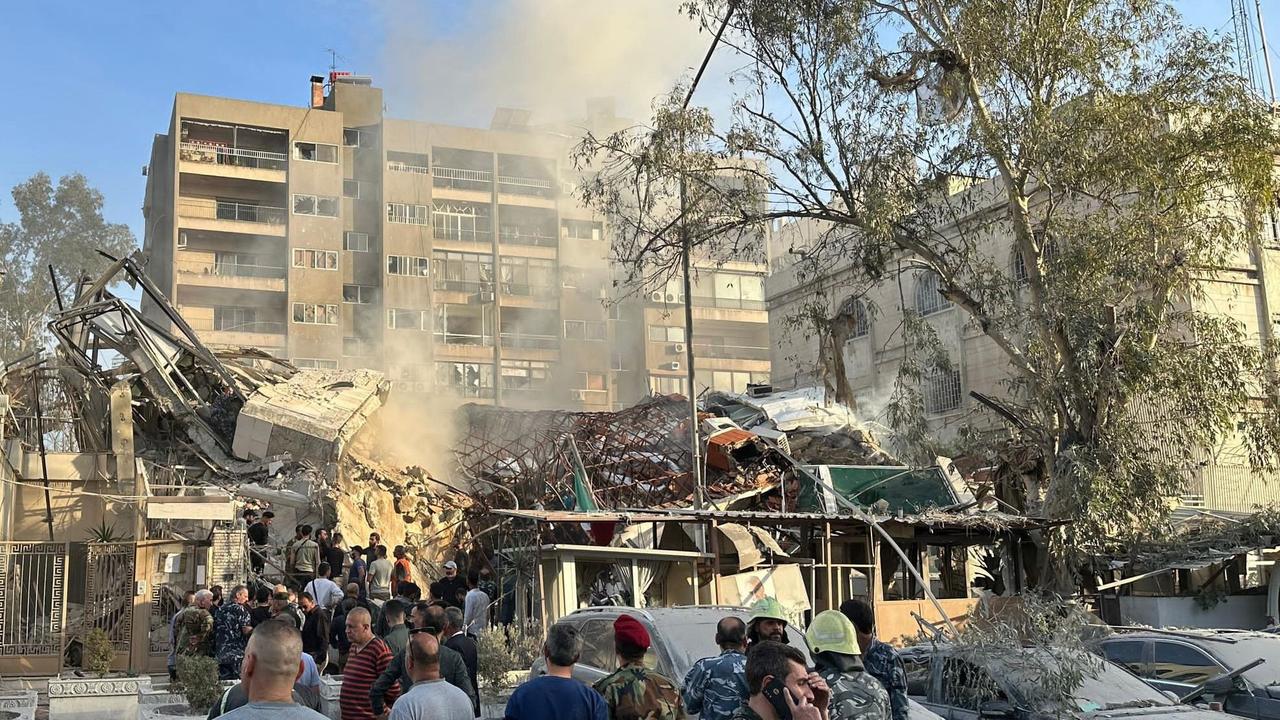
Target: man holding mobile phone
[(781, 687)]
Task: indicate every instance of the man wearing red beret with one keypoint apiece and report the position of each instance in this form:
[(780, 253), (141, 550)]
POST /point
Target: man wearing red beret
[(633, 691)]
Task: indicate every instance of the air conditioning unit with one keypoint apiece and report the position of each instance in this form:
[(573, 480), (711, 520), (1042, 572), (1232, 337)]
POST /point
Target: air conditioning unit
[(420, 387), (182, 239), (672, 366), (656, 296), (677, 348), (672, 297)]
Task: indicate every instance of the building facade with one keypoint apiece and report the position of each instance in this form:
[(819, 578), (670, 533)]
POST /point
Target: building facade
[(874, 348), (456, 260)]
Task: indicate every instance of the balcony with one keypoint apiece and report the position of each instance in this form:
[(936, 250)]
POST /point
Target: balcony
[(533, 186), (540, 292), (241, 276), (398, 166), (227, 216), (462, 234), (247, 334), (731, 352), (728, 303), (223, 155), (450, 338), (519, 236), (530, 341), (461, 179)]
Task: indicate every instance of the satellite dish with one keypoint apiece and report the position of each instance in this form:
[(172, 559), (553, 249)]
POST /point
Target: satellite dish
[(940, 96)]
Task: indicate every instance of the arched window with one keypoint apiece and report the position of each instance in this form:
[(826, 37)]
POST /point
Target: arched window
[(1019, 268), (929, 299), (856, 311)]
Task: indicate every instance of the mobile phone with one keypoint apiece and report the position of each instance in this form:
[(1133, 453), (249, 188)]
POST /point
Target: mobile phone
[(773, 692)]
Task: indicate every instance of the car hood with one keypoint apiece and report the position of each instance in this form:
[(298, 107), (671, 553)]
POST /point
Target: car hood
[(1181, 712)]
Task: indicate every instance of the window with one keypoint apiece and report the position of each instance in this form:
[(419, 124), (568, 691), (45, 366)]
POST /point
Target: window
[(965, 685), (402, 319), (928, 297), (315, 363), (597, 646), (358, 294), (667, 385), (919, 672), (1127, 653), (460, 221), (1179, 663), (666, 333), (582, 229), (467, 379), (855, 310), (315, 152), (529, 276), (941, 391), (408, 265), (321, 205), (408, 162), (585, 330), (591, 380), (351, 137), (616, 362), (315, 314), (355, 241), (525, 374), (730, 381), (406, 214), (462, 272), (1019, 268), (351, 189), (315, 259), (230, 317)]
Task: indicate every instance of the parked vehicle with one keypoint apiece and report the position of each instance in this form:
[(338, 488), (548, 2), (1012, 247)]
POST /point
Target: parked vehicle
[(1011, 687), (681, 636), (1219, 664)]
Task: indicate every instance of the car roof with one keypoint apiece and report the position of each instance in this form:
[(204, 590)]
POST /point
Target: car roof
[(1205, 635), (684, 613)]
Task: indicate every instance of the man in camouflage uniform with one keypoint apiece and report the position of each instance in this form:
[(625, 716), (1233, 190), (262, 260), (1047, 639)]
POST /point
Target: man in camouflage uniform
[(193, 627), (879, 658), (717, 686), (633, 691), (855, 695), (231, 628)]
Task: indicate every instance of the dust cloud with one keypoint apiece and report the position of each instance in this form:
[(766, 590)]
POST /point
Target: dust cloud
[(546, 56)]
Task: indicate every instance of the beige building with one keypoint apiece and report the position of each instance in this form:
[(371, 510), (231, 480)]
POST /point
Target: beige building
[(454, 259), (874, 350)]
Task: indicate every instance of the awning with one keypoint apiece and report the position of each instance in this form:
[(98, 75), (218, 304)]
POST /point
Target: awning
[(747, 540)]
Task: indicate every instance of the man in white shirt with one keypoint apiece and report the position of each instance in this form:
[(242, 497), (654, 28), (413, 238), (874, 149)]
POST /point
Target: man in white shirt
[(430, 698), (379, 575), (475, 609), (326, 592)]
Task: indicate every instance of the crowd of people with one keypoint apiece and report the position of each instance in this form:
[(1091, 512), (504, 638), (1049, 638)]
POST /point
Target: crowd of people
[(758, 675), (371, 624)]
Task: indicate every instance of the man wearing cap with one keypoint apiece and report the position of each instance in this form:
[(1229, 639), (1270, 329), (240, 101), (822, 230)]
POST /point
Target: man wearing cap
[(633, 691), (451, 586), (855, 695), (768, 622), (717, 686)]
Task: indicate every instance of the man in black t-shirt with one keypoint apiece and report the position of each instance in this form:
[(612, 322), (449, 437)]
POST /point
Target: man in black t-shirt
[(259, 537)]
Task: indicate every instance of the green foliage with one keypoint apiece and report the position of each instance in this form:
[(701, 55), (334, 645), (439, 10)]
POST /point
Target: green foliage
[(1107, 156), (105, 533), (198, 675), (506, 648), (98, 652), (60, 226)]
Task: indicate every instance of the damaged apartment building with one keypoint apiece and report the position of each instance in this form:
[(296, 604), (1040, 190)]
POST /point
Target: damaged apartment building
[(456, 260)]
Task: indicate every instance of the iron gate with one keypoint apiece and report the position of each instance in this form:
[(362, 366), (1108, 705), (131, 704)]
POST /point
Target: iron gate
[(108, 596), (32, 598)]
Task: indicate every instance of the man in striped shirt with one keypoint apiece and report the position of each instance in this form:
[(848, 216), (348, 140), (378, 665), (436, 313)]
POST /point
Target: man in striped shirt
[(369, 656)]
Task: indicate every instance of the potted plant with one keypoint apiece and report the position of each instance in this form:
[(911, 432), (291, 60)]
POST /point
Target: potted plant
[(95, 691), (198, 680)]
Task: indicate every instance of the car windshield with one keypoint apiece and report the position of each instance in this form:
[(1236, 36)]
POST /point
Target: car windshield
[(1245, 651), (1107, 688), (690, 640)]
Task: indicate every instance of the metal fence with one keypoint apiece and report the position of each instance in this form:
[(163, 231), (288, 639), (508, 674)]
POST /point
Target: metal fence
[(108, 597), (32, 598)]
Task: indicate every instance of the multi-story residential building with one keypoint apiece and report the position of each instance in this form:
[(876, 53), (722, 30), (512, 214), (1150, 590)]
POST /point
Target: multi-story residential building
[(457, 260), (874, 348)]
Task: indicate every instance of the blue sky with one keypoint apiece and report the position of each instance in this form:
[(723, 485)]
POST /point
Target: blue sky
[(89, 84)]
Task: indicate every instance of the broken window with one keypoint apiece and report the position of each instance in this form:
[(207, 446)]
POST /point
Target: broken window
[(351, 137), (404, 319), (525, 374), (582, 229), (320, 205), (315, 259), (315, 152), (462, 272), (585, 330), (227, 317), (358, 294), (591, 381), (404, 214), (315, 314), (351, 189), (408, 265), (965, 685), (528, 276), (460, 221), (467, 379), (667, 385)]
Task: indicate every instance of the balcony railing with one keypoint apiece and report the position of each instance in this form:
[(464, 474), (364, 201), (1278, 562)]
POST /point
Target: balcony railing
[(397, 166), (535, 342), (517, 185), (462, 234), (467, 286), (230, 269), (223, 210), (728, 303), (449, 338), (460, 178), (211, 325), (534, 291), (731, 352), (516, 236), (237, 157)]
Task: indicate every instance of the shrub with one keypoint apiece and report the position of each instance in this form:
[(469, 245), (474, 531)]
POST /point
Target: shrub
[(199, 677), (98, 652), (494, 659)]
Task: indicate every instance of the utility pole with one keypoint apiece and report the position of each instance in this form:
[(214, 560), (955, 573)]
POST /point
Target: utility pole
[(686, 262), (1266, 55)]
